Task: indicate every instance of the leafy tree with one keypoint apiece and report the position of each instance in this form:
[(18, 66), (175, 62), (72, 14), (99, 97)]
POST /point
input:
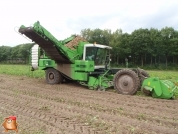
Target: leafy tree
[(115, 44), (5, 52), (86, 33), (155, 44), (97, 35), (167, 36), (24, 50), (174, 46), (124, 47), (14, 52), (140, 44), (21, 51)]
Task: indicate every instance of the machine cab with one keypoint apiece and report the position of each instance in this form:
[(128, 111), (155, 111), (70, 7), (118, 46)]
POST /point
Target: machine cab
[(100, 54)]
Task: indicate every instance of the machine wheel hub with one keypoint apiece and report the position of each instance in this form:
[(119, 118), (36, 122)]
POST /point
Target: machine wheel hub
[(125, 83), (51, 76)]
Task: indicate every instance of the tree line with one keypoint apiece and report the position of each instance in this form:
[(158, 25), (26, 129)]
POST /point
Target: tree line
[(143, 47), (17, 54)]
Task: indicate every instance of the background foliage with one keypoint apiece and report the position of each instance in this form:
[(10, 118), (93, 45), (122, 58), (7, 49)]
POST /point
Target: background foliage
[(148, 48), (17, 54)]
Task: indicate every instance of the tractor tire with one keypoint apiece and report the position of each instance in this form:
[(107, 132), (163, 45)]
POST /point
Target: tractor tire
[(126, 82), (142, 74), (145, 74), (53, 76)]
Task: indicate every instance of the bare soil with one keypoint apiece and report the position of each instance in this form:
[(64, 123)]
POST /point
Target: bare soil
[(73, 109)]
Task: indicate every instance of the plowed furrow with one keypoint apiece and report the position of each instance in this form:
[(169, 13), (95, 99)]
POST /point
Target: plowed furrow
[(50, 121), (102, 105), (71, 108)]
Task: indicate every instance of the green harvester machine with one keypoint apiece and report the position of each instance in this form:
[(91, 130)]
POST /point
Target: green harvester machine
[(76, 59)]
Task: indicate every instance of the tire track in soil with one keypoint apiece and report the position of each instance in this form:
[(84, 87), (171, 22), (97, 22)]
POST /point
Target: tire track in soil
[(106, 99), (53, 122), (24, 109), (127, 113), (10, 97), (42, 103), (65, 106), (130, 103), (129, 99), (128, 109)]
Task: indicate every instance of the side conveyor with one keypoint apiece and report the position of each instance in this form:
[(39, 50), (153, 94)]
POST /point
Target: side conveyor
[(47, 45)]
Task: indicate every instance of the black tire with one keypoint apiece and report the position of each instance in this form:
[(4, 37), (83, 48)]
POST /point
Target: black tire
[(53, 76), (126, 82)]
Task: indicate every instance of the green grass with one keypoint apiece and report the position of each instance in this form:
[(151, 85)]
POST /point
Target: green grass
[(24, 70), (21, 70), (165, 75)]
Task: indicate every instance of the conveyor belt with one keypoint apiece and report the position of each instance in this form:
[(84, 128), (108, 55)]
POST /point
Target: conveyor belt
[(47, 45)]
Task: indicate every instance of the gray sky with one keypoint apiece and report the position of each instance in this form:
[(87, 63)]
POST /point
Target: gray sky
[(71, 16)]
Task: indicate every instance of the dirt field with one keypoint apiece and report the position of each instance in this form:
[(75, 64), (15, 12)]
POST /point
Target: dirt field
[(72, 109)]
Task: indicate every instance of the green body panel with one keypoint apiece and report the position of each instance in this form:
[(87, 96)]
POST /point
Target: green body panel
[(99, 82), (110, 77), (159, 88), (81, 76), (46, 63), (80, 48), (86, 66), (103, 81), (93, 82), (81, 71)]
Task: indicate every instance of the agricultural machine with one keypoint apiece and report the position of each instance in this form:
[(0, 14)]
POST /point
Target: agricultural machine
[(76, 59)]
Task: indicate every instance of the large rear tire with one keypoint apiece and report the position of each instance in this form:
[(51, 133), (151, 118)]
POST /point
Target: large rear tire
[(126, 82), (53, 76)]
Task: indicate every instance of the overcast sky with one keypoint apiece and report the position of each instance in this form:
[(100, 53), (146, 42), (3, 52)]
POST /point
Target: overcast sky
[(69, 17)]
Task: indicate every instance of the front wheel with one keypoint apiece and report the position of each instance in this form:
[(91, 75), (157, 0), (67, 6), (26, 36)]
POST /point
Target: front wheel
[(53, 76), (126, 82)]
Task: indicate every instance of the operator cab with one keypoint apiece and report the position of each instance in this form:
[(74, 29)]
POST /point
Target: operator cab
[(100, 54)]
